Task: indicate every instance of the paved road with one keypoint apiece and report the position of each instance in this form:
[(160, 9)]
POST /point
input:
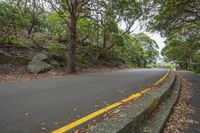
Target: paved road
[(194, 81), (26, 107)]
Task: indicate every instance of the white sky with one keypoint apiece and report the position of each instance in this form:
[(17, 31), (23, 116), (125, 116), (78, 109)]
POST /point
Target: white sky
[(160, 40)]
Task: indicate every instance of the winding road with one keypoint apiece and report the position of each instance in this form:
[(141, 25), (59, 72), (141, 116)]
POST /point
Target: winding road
[(39, 106)]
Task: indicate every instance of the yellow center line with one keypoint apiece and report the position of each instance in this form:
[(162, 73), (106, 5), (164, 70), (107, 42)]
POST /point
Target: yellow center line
[(109, 107), (160, 80)]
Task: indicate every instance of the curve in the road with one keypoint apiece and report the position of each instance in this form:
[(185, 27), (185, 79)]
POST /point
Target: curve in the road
[(38, 105), (112, 106)]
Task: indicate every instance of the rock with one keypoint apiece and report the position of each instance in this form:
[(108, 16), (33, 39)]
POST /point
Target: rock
[(39, 64), (38, 67)]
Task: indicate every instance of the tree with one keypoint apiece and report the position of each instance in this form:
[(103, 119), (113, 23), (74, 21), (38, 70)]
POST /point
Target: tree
[(32, 10), (139, 50), (89, 28), (179, 21), (173, 13), (182, 46), (70, 11), (108, 14), (11, 22), (149, 46)]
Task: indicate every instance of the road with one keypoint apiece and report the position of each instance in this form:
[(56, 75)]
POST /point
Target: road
[(39, 106)]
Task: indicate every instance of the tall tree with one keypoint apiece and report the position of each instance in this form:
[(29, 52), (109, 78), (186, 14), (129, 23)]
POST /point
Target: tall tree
[(31, 9), (108, 13), (70, 11), (149, 47), (179, 21)]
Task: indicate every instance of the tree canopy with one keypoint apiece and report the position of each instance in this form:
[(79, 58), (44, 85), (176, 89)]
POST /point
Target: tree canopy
[(79, 32), (179, 21)]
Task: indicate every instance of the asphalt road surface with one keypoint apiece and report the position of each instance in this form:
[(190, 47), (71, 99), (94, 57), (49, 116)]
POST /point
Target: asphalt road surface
[(39, 106)]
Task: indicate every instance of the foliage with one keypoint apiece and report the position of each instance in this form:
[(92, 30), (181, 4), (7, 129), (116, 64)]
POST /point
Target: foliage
[(38, 39), (179, 21), (90, 35), (149, 46), (57, 27), (138, 50), (57, 49), (12, 40)]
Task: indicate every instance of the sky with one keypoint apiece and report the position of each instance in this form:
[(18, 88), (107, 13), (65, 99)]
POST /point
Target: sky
[(160, 40)]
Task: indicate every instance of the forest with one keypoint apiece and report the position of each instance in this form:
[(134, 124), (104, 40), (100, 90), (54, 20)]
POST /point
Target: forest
[(77, 34)]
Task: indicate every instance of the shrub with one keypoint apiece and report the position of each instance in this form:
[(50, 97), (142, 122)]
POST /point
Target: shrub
[(57, 49), (196, 69), (21, 42), (38, 39)]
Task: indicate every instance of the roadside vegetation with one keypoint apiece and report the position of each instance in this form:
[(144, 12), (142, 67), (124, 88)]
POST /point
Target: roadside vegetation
[(78, 34), (179, 22)]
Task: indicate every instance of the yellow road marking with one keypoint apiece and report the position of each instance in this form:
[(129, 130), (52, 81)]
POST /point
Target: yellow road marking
[(160, 80), (103, 110)]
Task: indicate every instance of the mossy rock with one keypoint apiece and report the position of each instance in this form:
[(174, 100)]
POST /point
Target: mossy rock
[(39, 64)]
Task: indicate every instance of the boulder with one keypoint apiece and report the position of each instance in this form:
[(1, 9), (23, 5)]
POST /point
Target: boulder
[(39, 64)]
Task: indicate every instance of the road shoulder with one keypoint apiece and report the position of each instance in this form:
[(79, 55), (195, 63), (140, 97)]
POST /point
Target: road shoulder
[(186, 115), (194, 81)]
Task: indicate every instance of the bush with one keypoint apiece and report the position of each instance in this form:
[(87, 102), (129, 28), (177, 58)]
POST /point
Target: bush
[(86, 56), (38, 39), (21, 42), (196, 69), (57, 49)]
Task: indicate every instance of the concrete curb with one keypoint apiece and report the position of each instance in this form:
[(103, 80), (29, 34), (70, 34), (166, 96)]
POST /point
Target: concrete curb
[(159, 118), (129, 120)]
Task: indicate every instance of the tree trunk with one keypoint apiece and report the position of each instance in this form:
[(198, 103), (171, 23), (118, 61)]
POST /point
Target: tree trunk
[(33, 19), (71, 67), (189, 63), (105, 38)]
